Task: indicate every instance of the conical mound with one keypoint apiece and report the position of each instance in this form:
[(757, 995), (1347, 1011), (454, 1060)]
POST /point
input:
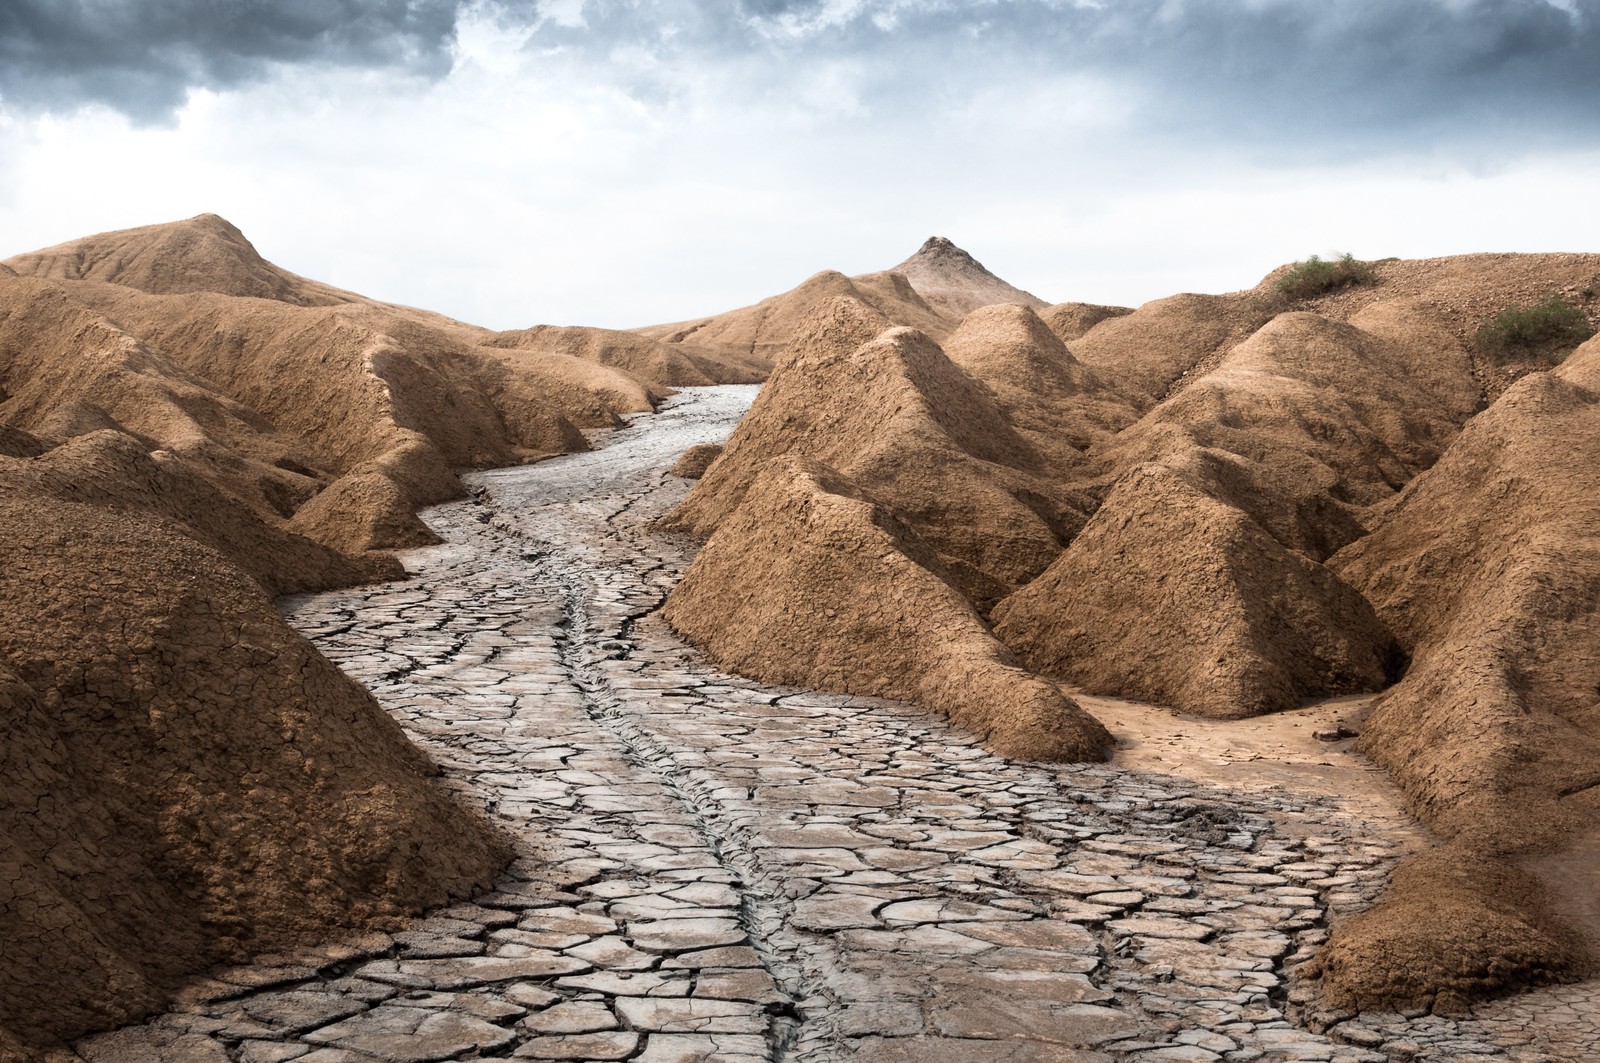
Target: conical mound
[(1069, 321), (1050, 397), (915, 433), (765, 330), (1475, 564), (956, 283), (1173, 597), (851, 600), (141, 678)]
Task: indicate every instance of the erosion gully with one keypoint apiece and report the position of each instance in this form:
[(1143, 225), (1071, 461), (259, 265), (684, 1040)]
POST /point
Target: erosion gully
[(712, 869)]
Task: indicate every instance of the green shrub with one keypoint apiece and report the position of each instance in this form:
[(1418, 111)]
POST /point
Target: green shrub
[(1316, 276), (1531, 332)]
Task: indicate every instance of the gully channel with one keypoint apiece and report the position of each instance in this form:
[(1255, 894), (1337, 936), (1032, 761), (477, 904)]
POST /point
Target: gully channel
[(710, 869)]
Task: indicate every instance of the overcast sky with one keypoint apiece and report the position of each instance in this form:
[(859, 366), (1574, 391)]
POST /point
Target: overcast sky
[(621, 163)]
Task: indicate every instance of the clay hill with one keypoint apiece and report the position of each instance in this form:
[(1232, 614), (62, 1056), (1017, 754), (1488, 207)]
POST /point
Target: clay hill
[(1226, 504), (931, 291), (187, 430)]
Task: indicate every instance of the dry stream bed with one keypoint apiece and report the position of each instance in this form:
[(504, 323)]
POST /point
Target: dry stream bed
[(711, 869)]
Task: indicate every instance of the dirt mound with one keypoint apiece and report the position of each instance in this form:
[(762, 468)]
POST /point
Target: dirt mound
[(853, 601), (362, 511), (913, 432), (931, 291), (955, 283), (1071, 320), (1170, 596), (66, 370), (1456, 925), (1477, 566), (658, 365), (1487, 566), (112, 472), (142, 677), (203, 254), (764, 331), (1328, 418), (272, 385), (696, 460), (1151, 348), (1057, 403), (15, 443)]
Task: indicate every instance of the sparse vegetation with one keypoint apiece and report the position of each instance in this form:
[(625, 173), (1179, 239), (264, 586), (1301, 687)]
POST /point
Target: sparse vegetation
[(1317, 276), (1544, 331)]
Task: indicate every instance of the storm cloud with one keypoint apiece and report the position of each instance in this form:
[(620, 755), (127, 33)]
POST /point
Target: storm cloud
[(142, 57), (1248, 69)]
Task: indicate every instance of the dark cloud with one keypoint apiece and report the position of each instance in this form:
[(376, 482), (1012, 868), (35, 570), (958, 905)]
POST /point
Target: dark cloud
[(142, 56), (1245, 72), (1238, 70)]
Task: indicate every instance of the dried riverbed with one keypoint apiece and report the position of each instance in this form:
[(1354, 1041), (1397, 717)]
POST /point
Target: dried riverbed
[(716, 870)]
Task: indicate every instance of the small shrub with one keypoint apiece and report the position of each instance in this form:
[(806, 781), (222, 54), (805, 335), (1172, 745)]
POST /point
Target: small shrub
[(1531, 332), (1316, 276)]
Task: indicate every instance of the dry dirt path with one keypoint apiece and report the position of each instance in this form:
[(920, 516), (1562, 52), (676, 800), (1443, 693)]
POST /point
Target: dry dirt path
[(715, 870)]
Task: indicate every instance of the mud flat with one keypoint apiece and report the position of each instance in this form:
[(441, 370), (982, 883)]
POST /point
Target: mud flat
[(714, 869)]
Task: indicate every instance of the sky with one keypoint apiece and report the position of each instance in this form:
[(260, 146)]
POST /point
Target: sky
[(626, 162)]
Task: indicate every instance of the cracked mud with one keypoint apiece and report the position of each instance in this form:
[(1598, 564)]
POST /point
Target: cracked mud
[(711, 869)]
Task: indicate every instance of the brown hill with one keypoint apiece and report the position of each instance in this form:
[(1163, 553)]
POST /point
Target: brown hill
[(1336, 414), (1054, 401), (175, 411), (272, 386), (1172, 597), (913, 432), (931, 291), (66, 370), (955, 283), (657, 364), (203, 254), (142, 677), (1072, 320), (763, 331), (1271, 434), (112, 472), (1150, 349), (1488, 566), (853, 601)]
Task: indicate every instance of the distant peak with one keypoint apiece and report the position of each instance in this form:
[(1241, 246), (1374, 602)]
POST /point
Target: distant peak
[(944, 272), (942, 247), (939, 255), (213, 222)]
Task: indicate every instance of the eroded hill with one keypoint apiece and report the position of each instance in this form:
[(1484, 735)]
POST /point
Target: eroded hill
[(186, 431), (1228, 505)]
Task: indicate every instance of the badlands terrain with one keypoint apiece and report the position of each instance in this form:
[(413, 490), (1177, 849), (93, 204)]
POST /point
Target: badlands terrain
[(1212, 680)]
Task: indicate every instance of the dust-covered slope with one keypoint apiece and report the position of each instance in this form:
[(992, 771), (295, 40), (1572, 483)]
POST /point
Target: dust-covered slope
[(1171, 596), (852, 600), (1057, 403), (955, 283), (656, 363), (184, 780), (931, 291), (202, 254), (764, 331), (1336, 417), (1488, 567), (113, 472), (66, 369), (273, 387), (913, 432)]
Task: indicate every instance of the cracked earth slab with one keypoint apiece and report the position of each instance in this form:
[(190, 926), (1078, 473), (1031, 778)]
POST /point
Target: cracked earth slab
[(711, 869)]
